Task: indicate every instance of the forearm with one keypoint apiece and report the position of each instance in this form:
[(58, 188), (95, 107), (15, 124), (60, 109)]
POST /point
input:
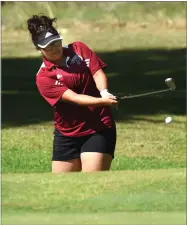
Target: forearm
[(100, 80), (81, 99), (86, 100), (102, 84)]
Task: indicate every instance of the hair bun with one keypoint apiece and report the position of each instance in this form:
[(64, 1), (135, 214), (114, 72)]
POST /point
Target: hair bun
[(39, 23)]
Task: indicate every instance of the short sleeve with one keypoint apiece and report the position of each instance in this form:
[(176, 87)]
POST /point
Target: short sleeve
[(92, 60), (50, 89)]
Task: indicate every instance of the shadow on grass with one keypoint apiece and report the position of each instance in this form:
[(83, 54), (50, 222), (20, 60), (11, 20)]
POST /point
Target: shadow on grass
[(129, 72)]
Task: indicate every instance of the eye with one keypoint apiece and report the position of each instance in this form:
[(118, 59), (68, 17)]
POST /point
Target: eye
[(56, 43), (48, 48)]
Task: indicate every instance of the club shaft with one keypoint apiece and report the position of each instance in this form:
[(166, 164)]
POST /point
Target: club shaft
[(145, 94)]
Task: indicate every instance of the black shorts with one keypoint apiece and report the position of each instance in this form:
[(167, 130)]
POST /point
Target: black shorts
[(68, 148)]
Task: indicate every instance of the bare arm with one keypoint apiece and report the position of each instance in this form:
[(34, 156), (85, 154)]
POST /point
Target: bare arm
[(102, 84), (100, 80), (86, 100)]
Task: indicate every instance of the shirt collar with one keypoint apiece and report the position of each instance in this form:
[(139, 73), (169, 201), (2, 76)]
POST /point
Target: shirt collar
[(49, 65)]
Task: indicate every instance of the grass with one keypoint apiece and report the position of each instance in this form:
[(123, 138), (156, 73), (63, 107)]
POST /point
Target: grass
[(151, 192), (118, 13), (127, 38), (142, 44), (163, 148), (99, 218)]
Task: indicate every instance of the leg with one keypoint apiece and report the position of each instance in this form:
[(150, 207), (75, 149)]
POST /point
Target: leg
[(66, 154), (98, 151), (95, 161), (66, 166)]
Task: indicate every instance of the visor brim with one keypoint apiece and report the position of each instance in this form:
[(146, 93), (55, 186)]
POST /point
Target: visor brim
[(44, 45)]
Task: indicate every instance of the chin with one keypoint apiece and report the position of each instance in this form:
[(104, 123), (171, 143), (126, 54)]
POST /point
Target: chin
[(57, 57)]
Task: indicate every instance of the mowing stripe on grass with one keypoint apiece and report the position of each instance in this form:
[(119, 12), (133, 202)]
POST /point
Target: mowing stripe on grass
[(137, 218), (119, 191)]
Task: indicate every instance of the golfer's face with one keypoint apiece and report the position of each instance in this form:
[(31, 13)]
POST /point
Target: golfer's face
[(53, 51)]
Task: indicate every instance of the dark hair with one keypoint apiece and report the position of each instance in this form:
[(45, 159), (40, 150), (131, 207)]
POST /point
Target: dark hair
[(39, 24)]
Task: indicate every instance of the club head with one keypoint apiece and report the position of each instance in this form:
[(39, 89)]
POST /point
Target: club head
[(170, 83)]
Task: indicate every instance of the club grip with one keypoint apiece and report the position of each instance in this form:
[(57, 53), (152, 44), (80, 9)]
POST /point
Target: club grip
[(120, 97)]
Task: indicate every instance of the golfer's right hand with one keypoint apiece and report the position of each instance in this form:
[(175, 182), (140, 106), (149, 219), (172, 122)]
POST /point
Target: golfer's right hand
[(109, 101)]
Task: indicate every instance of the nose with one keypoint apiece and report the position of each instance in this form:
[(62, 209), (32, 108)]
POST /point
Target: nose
[(55, 49)]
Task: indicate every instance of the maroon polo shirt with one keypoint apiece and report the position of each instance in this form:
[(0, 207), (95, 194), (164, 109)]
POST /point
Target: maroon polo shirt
[(53, 80)]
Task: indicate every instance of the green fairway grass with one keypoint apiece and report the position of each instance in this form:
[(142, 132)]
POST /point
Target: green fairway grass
[(152, 192), (143, 43), (142, 218)]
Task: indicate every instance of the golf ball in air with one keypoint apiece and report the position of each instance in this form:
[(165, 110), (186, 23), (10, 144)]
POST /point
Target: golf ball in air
[(168, 119)]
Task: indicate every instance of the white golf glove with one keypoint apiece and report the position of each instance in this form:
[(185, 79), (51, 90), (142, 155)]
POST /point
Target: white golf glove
[(105, 94)]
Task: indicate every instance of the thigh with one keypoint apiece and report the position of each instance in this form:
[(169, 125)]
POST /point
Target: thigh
[(98, 151), (73, 165), (95, 161), (66, 153)]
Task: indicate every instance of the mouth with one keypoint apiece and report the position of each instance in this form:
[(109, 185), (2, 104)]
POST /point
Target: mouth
[(58, 53)]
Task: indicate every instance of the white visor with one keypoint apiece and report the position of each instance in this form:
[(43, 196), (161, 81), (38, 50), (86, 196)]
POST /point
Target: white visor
[(44, 45)]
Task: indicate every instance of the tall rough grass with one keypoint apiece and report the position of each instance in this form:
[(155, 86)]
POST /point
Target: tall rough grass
[(15, 14)]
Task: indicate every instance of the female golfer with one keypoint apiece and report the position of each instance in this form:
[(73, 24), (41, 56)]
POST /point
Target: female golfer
[(71, 79)]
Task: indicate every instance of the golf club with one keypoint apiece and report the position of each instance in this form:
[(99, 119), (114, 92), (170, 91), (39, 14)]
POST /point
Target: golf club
[(169, 82)]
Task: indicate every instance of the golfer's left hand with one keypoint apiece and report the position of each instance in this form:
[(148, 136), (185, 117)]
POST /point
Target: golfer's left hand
[(105, 94)]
